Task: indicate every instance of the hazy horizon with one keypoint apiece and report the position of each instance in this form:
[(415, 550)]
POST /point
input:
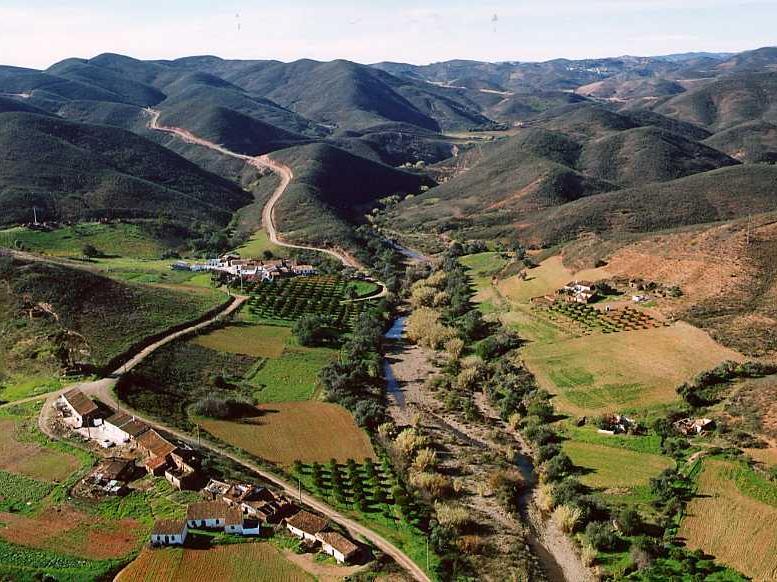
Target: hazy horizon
[(39, 33)]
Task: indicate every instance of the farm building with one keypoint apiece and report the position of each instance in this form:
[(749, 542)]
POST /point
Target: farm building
[(578, 292), (180, 471), (122, 427), (237, 493), (306, 525), (694, 426), (269, 511), (169, 532), (215, 490), (337, 545), (109, 477), (154, 445), (219, 515), (81, 409)]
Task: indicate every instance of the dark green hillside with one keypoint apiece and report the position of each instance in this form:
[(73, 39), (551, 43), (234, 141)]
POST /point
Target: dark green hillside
[(115, 82), (395, 144), (122, 115), (235, 131), (328, 187), (50, 87), (755, 141), (521, 107), (583, 121), (648, 154), (711, 196), (518, 175), (727, 102), (8, 104), (690, 131), (191, 98), (72, 171), (79, 316)]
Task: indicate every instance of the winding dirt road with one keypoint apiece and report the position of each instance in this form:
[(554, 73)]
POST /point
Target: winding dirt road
[(103, 390), (263, 162)]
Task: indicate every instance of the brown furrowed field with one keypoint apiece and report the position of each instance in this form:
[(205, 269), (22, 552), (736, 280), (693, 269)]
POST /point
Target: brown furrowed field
[(260, 341), (233, 563), (68, 531), (613, 372), (290, 431), (737, 529), (31, 459), (605, 465)]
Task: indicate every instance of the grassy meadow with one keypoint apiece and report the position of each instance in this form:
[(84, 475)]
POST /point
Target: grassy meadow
[(624, 371), (115, 239)]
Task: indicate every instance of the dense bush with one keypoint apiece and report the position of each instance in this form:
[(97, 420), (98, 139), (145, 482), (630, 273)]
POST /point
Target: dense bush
[(223, 408), (601, 535)]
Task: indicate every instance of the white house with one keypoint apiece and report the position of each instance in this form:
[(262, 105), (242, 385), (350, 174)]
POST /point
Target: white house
[(337, 545), (80, 407), (306, 525), (169, 532), (122, 427), (219, 515)]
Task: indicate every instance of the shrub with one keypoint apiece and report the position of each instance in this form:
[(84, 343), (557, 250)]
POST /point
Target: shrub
[(312, 330), (546, 452), (425, 460), (433, 484), (567, 517), (629, 521), (453, 515), (223, 408), (601, 535), (557, 468), (588, 555)]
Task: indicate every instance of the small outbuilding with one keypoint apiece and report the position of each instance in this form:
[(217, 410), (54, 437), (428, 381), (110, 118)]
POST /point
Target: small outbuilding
[(169, 532), (337, 546), (80, 407), (306, 525)]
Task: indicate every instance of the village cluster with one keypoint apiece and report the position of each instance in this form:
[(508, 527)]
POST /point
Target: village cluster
[(235, 508), (247, 269)]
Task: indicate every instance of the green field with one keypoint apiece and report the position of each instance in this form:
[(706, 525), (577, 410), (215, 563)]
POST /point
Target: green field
[(255, 247), (16, 387), (483, 266), (261, 341), (292, 376), (623, 371), (610, 467), (125, 240)]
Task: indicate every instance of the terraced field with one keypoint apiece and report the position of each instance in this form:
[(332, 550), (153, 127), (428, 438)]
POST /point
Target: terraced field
[(733, 517), (30, 459)]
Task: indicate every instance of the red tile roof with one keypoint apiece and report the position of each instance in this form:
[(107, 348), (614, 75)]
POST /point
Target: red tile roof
[(307, 522), (339, 542), (80, 402)]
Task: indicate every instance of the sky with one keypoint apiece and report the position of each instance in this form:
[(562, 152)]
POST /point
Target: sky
[(38, 33)]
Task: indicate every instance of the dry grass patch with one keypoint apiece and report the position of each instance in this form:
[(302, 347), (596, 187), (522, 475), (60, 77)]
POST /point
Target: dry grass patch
[(259, 341), (610, 372), (546, 278), (610, 467), (236, 563), (31, 459), (290, 431), (68, 531), (736, 528)]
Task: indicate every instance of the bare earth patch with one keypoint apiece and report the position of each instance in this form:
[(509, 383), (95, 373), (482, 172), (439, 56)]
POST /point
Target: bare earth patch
[(68, 531), (31, 459)]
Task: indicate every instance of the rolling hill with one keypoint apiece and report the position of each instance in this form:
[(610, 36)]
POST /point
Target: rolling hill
[(72, 171)]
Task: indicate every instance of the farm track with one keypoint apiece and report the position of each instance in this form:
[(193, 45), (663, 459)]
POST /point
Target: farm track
[(103, 390), (284, 172)]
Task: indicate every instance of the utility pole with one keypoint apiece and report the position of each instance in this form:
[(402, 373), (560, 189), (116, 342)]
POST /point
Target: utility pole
[(427, 554), (35, 216), (299, 484), (749, 224)]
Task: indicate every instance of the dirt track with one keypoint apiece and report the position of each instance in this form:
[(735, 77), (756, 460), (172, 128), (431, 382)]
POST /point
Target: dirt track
[(103, 390)]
